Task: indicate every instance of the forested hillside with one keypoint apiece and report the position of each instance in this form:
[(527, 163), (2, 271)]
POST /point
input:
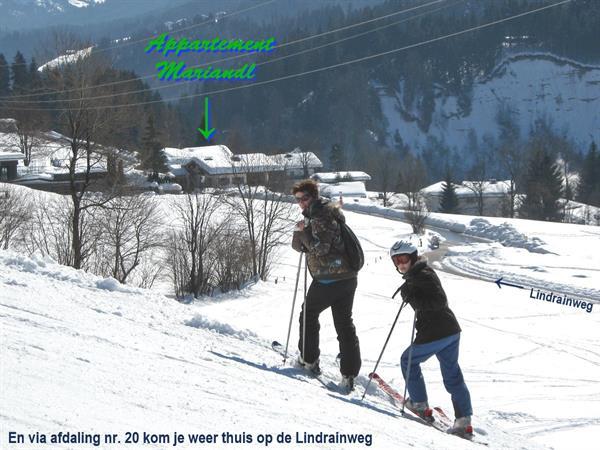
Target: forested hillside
[(324, 88)]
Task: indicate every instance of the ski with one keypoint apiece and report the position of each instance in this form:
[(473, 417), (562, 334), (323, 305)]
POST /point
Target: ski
[(434, 417), (437, 418), (325, 382)]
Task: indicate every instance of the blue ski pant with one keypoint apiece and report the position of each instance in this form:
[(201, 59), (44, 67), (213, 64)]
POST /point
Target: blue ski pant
[(446, 350)]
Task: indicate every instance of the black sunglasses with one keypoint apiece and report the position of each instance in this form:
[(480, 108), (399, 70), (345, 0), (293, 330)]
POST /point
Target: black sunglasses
[(304, 198)]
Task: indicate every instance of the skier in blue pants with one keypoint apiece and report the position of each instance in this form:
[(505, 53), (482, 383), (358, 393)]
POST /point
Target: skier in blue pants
[(438, 333)]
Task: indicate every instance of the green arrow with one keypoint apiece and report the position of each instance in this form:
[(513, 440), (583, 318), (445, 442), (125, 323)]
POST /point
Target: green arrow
[(206, 132)]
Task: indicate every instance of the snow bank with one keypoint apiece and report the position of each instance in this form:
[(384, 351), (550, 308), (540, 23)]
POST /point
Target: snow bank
[(395, 214), (110, 284), (199, 321), (47, 267), (506, 234)]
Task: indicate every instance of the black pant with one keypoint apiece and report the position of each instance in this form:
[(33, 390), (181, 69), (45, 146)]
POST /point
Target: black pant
[(340, 297)]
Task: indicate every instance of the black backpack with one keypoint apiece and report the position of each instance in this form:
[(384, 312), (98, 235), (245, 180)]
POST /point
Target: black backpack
[(354, 251)]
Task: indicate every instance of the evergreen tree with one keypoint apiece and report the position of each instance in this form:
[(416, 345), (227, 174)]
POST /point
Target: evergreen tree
[(20, 74), (4, 77), (336, 158), (543, 187), (449, 202), (152, 155), (589, 184), (35, 80)]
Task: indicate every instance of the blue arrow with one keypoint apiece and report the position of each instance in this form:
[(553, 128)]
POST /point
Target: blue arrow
[(499, 282)]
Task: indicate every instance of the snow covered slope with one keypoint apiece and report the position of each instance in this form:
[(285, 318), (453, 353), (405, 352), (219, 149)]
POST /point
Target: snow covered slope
[(85, 354), (532, 85)]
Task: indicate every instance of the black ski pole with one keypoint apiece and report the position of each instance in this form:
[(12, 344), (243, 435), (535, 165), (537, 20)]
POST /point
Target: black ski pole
[(384, 346), (410, 350), (287, 342), (304, 309)]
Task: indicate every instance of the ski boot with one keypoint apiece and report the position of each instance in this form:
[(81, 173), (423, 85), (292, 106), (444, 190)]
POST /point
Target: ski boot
[(311, 367), (462, 427), (347, 383), (420, 409)]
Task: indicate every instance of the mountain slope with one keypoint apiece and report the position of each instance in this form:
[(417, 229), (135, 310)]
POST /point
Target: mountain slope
[(530, 86), (81, 353), (82, 357), (44, 13)]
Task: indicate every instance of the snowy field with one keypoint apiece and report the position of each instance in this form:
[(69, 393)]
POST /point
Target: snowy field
[(84, 354)]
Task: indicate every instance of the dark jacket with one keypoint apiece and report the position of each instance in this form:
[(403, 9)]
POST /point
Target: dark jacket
[(423, 291), (322, 239)]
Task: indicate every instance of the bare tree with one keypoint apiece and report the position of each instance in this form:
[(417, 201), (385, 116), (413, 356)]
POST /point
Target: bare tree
[(231, 256), (29, 125), (417, 213), (306, 160), (15, 213), (86, 123), (265, 213), (511, 158), (479, 182), (568, 191), (148, 273), (410, 182), (49, 231), (385, 169), (411, 179), (130, 232), (189, 244), (510, 151)]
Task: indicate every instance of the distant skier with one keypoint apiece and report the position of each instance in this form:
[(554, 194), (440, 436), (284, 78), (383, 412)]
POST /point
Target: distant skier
[(438, 333), (334, 282)]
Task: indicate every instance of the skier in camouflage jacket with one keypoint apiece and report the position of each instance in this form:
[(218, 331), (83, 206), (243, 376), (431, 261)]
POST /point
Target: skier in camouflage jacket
[(321, 238), (334, 282)]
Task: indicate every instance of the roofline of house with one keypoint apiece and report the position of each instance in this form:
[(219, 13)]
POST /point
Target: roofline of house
[(12, 156)]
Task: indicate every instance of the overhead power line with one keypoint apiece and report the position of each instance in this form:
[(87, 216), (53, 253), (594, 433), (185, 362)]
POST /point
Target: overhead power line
[(231, 58), (128, 43), (322, 69), (270, 61)]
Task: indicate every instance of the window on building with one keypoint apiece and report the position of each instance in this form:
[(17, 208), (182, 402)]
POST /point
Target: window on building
[(3, 173)]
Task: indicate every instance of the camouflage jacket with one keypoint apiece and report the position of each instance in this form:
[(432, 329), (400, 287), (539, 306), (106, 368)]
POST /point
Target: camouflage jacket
[(322, 240)]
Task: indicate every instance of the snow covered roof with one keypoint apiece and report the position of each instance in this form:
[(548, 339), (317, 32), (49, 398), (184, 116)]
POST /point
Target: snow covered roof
[(332, 177), (176, 170), (70, 57), (467, 188), (218, 159), (213, 159), (346, 188), (297, 159), (36, 178), (257, 162), (11, 156)]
